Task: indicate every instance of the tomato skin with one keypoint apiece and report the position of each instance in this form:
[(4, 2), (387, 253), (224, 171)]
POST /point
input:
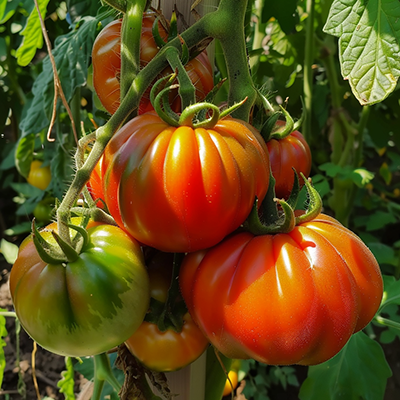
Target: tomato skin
[(85, 307), (169, 350), (106, 56), (285, 154), (39, 176), (183, 189), (283, 299), (95, 185)]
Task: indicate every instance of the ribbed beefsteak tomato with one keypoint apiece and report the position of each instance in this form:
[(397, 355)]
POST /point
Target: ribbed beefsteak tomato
[(183, 189), (285, 154), (87, 306), (281, 299)]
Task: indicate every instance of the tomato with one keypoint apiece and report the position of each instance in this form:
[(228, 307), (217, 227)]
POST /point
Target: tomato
[(106, 56), (183, 189), (87, 306), (44, 209), (281, 299), (39, 176), (168, 350), (286, 154), (95, 186), (230, 383)]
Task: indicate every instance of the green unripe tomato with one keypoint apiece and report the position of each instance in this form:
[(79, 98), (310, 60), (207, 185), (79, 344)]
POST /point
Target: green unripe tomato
[(43, 210), (87, 306)]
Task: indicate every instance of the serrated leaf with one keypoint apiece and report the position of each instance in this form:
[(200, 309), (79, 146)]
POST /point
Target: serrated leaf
[(72, 54), (32, 35), (358, 371), (369, 50), (67, 383), (3, 334)]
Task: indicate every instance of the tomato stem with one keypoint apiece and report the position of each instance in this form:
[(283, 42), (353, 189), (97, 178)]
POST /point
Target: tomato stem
[(131, 32), (187, 91), (103, 373)]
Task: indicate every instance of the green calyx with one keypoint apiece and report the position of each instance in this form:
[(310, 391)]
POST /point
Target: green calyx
[(282, 219), (60, 251), (169, 315)]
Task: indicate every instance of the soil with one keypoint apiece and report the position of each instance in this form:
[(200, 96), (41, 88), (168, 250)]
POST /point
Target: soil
[(48, 366)]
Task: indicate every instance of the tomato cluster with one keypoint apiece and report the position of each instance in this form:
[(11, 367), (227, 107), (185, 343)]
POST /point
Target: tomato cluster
[(290, 297)]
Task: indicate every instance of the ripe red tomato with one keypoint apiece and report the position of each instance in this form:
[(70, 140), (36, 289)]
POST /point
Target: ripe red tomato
[(168, 350), (106, 58), (283, 299), (39, 176), (183, 189), (84, 307), (286, 154)]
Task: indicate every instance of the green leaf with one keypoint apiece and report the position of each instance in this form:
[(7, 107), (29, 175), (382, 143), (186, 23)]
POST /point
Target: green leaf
[(215, 375), (9, 251), (361, 177), (67, 383), (284, 11), (385, 173), (391, 293), (24, 154), (3, 334), (379, 219), (7, 9), (358, 371), (369, 51), (383, 253), (32, 33), (72, 54), (24, 227)]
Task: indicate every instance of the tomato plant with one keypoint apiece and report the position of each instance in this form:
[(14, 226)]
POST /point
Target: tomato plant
[(183, 189), (286, 154), (85, 306), (106, 58), (289, 298), (168, 348), (39, 175)]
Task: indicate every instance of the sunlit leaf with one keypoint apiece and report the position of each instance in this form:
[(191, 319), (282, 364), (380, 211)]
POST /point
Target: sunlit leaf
[(67, 382), (9, 251), (32, 33), (369, 49)]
